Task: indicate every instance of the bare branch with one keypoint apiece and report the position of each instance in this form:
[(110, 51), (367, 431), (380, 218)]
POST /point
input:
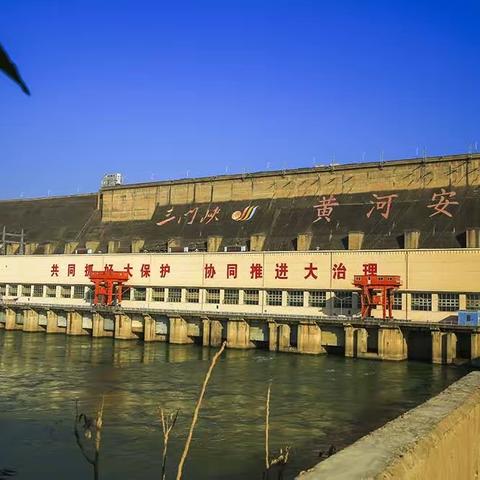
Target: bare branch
[(197, 410), (267, 427), (168, 422)]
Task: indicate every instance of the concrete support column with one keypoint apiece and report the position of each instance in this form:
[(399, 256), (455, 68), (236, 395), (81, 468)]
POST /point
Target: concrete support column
[(70, 247), (444, 347), (213, 243), (257, 242), (30, 322), (113, 246), (92, 245), (272, 336), (391, 344), (74, 324), (11, 320), (98, 329), (212, 333), (451, 347), (178, 331), (362, 339), (474, 345), (137, 245), (284, 338), (30, 248), (349, 341), (149, 333), (304, 241), (309, 339), (52, 323), (123, 327), (411, 239), (215, 333), (238, 334), (205, 332), (355, 240)]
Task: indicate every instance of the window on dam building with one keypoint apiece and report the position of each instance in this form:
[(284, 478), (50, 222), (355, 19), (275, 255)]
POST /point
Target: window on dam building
[(251, 297), (473, 301), (37, 291), (192, 295), (51, 291), (13, 290), (231, 296), (274, 297), (422, 301), (448, 302), (65, 291), (317, 299), (397, 301), (158, 294), (26, 290), (295, 298), (342, 299), (78, 291), (212, 295), (3, 290), (175, 295), (139, 294)]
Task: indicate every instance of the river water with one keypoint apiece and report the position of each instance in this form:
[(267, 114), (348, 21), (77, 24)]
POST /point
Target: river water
[(316, 401)]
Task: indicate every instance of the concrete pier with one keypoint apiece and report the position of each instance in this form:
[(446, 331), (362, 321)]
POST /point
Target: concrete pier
[(178, 331), (272, 336), (123, 328), (283, 335), (98, 327), (52, 323), (444, 347), (238, 334), (11, 320), (474, 346), (74, 324), (309, 339), (391, 344), (30, 321), (390, 341), (212, 333)]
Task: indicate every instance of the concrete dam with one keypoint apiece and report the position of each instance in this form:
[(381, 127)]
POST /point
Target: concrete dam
[(260, 260)]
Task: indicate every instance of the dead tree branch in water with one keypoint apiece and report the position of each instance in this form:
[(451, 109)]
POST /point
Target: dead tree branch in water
[(168, 422), (197, 410), (282, 458), (92, 430), (267, 427)]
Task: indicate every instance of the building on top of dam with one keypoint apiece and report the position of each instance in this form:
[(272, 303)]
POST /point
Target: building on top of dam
[(266, 258)]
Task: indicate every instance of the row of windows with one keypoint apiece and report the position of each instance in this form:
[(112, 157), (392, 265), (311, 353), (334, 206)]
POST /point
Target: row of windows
[(49, 291), (447, 302)]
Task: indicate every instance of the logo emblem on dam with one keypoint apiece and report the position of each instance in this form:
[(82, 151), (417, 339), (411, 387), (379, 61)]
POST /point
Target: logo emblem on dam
[(244, 215)]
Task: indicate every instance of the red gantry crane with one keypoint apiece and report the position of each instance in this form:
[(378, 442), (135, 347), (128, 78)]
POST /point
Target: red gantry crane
[(377, 290), (108, 286)]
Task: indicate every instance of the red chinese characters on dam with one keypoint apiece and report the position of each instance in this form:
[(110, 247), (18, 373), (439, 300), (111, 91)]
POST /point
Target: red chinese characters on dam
[(383, 205), (255, 271), (324, 210)]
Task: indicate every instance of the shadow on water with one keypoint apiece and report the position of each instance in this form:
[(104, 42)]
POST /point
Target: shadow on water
[(318, 403)]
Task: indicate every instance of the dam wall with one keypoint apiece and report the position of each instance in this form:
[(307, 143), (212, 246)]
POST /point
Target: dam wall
[(437, 440), (403, 204)]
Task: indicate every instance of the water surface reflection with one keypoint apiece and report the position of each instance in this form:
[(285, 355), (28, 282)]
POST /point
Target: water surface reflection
[(316, 401)]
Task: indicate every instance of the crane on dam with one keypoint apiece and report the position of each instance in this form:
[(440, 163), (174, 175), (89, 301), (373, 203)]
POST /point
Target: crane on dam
[(377, 290)]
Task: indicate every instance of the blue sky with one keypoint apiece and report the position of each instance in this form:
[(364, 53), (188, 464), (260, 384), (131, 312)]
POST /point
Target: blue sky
[(160, 90)]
